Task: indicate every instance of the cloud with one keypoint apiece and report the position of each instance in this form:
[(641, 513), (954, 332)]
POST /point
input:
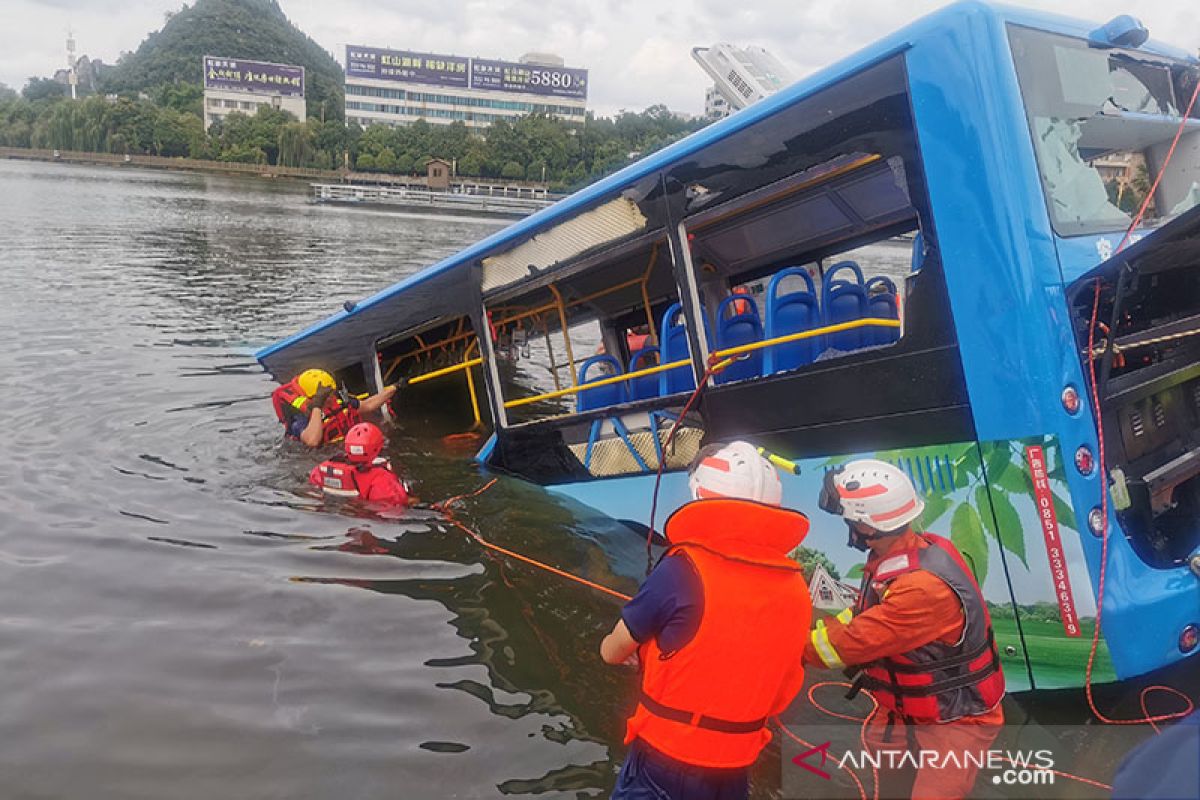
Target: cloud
[(638, 51)]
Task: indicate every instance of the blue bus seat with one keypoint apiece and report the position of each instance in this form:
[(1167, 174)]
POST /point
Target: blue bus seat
[(885, 305), (601, 396), (741, 328), (674, 346), (647, 385), (843, 300), (793, 312)]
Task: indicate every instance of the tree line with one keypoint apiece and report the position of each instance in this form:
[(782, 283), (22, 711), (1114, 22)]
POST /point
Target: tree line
[(168, 121)]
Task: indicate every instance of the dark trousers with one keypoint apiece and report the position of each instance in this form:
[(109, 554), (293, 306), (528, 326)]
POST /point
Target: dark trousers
[(649, 775)]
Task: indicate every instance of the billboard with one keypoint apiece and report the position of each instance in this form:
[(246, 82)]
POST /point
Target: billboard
[(465, 73), (403, 65), (507, 76), (253, 76)]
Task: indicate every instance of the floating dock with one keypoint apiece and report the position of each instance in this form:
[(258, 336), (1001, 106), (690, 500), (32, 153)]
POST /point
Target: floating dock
[(490, 202)]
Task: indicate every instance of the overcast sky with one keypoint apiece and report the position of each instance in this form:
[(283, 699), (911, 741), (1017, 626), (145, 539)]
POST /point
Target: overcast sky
[(638, 51)]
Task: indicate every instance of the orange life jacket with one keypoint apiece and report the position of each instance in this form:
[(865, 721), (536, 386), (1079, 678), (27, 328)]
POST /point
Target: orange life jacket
[(708, 703), (937, 682), (339, 418)]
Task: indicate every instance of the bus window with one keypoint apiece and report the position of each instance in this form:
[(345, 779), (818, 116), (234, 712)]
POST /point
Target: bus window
[(613, 307), (1102, 121)]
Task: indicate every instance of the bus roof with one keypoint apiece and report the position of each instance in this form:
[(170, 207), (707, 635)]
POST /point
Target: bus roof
[(346, 336)]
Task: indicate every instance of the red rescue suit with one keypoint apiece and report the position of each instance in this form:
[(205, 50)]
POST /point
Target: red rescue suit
[(339, 418), (374, 482), (708, 703), (922, 634)]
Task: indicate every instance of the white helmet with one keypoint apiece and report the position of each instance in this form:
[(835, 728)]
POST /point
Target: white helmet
[(875, 493), (735, 470)]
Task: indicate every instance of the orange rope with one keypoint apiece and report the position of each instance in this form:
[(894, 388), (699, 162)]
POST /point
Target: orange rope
[(444, 507)]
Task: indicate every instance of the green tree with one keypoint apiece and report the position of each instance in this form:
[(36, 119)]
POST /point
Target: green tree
[(7, 92), (512, 171), (809, 559), (405, 164), (43, 89), (471, 164), (177, 133), (295, 145), (365, 162), (385, 161)]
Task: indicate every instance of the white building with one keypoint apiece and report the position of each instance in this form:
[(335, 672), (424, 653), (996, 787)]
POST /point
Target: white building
[(398, 87), (742, 75), (234, 84), (828, 594), (715, 104)]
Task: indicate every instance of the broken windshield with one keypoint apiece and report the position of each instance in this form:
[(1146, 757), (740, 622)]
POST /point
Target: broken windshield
[(1102, 121)]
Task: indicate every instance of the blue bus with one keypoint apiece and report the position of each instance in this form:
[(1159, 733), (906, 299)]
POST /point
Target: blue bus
[(915, 255)]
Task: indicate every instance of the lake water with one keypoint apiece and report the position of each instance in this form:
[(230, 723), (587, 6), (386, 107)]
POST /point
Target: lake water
[(179, 615)]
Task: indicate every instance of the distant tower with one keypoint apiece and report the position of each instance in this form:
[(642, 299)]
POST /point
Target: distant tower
[(72, 78), (741, 75)]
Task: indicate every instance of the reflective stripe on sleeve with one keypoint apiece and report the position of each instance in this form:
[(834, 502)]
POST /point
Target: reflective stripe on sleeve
[(845, 615), (824, 648), (299, 403)]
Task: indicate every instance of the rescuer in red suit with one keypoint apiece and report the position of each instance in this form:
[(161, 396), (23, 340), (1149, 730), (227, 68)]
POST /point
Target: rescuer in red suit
[(315, 412), (361, 473), (919, 632)]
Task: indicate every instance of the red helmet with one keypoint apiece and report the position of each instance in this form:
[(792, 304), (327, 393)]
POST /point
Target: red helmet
[(363, 443)]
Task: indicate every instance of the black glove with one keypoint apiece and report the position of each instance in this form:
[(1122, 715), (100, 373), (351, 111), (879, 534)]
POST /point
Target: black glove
[(321, 396)]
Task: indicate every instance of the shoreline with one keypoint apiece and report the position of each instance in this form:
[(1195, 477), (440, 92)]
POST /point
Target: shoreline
[(182, 164)]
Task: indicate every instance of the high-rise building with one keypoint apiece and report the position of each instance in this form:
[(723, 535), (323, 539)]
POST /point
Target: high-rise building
[(398, 87), (234, 84), (715, 104), (742, 75)]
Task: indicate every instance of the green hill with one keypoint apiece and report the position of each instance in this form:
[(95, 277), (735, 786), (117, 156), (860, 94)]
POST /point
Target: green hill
[(249, 29)]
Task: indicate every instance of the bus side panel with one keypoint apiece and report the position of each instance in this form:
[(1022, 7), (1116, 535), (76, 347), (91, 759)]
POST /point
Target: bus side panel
[(1025, 506), (948, 477)]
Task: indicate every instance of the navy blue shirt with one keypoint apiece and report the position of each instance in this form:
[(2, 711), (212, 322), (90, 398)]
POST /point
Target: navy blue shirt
[(295, 425), (668, 606)]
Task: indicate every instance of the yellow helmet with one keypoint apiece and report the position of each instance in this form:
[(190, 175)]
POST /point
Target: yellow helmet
[(312, 379)]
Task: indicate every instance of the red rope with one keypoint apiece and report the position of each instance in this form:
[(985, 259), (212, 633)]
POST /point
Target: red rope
[(715, 366), (445, 508), (862, 735), (1101, 465)]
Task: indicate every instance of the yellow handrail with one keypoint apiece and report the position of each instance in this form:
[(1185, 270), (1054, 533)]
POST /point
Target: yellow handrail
[(437, 373), (875, 322), (524, 401)]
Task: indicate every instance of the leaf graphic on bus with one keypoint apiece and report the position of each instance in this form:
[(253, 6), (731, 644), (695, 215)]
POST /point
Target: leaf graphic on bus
[(936, 507), (966, 533), (1064, 512), (1014, 481), (998, 461), (1005, 527)]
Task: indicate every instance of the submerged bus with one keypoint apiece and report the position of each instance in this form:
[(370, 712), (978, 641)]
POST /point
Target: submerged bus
[(900, 256)]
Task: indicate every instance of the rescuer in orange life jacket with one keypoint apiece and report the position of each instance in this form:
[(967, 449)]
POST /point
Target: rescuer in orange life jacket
[(920, 632), (718, 630), (361, 473), (313, 410)]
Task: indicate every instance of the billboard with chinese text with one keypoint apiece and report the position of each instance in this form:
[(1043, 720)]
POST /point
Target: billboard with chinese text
[(402, 65), (507, 76), (253, 76), (465, 73)]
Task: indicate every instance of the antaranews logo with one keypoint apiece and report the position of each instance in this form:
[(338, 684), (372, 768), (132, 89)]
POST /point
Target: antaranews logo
[(825, 769)]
